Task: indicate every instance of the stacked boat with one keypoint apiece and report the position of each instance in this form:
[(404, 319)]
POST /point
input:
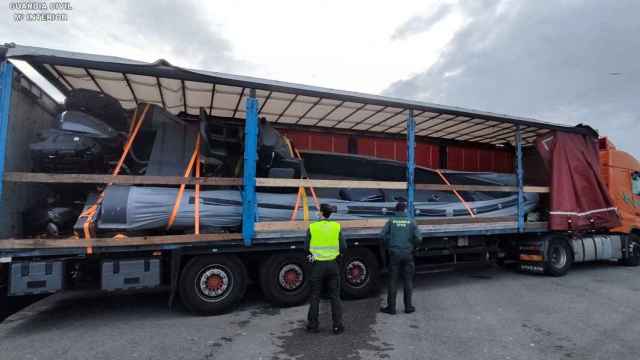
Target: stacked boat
[(93, 129)]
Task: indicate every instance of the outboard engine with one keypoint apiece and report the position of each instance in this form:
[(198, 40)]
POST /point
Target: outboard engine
[(82, 144)]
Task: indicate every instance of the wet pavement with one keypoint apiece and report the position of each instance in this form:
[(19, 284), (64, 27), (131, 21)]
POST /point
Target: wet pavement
[(592, 313)]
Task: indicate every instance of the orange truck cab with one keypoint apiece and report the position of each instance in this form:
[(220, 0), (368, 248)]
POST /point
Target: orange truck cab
[(621, 173), (554, 253)]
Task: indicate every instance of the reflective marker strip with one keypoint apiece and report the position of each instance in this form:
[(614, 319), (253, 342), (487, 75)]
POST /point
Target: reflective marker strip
[(323, 248), (584, 213), (531, 257), (5, 260)]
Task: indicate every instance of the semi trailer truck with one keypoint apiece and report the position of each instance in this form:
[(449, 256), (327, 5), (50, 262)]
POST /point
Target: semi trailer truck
[(483, 187)]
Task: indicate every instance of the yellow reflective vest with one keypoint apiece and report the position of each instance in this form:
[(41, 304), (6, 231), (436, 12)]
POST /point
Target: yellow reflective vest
[(324, 244)]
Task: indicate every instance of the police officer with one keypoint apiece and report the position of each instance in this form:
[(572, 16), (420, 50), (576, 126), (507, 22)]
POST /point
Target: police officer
[(325, 243), (401, 236)]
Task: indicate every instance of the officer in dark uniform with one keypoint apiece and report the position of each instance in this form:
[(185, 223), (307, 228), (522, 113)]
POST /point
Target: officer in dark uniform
[(325, 244), (401, 235)]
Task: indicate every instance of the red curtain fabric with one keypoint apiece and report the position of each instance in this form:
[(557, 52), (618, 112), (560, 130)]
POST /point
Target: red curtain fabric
[(579, 197)]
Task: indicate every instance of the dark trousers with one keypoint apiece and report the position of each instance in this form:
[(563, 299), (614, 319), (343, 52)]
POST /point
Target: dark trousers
[(400, 263), (321, 272)]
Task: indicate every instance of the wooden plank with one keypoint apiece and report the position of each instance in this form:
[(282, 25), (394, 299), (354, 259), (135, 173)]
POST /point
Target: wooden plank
[(376, 223), (265, 227), (14, 244), (22, 177), (465, 220), (354, 184), (481, 188), (537, 189), (304, 225), (361, 184)]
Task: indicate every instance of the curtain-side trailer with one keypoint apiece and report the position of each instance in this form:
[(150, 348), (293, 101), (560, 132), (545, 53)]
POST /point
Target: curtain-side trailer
[(210, 270)]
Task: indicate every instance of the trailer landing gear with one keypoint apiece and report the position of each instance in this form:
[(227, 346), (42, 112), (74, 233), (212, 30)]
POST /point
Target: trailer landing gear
[(213, 284)]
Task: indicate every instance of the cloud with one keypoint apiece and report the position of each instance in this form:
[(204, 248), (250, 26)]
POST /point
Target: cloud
[(182, 30), (420, 24), (573, 62), (179, 32)]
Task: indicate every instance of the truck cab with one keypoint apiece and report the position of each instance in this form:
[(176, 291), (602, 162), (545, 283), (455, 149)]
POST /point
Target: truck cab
[(621, 173)]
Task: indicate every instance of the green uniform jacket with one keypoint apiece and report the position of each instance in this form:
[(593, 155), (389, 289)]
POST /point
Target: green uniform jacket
[(401, 235)]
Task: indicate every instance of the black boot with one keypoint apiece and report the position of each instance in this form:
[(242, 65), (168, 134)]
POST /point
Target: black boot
[(338, 329), (312, 328), (388, 310), (409, 309)]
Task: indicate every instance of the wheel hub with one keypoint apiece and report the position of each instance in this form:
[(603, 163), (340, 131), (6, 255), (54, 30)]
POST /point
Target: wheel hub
[(291, 277), (558, 257), (356, 273), (213, 282)]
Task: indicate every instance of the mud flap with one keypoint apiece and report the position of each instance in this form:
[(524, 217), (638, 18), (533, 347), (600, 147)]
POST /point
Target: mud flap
[(530, 255)]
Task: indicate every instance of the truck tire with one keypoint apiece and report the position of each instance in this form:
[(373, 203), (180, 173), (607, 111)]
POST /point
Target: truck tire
[(559, 257), (633, 259), (360, 273), (285, 279), (212, 285)]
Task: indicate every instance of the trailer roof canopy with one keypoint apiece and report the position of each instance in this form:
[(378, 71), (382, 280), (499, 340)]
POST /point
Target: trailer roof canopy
[(186, 90)]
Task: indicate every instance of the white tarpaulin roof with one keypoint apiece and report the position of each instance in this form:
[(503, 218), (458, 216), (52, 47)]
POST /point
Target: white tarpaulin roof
[(183, 90)]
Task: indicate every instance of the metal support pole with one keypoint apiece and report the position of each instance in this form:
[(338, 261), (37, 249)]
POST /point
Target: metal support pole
[(6, 78), (520, 177), (411, 163), (251, 130)]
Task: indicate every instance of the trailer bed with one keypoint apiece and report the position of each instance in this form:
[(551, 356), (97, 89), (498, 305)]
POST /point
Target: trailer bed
[(263, 239)]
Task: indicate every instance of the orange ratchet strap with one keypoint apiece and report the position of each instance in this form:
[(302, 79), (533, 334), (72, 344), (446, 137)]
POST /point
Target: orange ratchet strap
[(90, 213), (187, 173), (466, 206), (302, 192), (295, 208), (197, 197), (313, 192), (132, 137)]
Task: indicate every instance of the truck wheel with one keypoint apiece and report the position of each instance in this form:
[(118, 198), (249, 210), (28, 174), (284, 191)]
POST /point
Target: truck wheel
[(212, 284), (360, 273), (634, 257), (285, 279), (559, 258)]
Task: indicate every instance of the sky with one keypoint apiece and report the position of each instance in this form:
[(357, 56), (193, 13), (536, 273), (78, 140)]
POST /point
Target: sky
[(562, 61)]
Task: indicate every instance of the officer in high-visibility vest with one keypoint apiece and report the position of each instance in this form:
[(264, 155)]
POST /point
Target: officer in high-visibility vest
[(401, 236), (325, 244)]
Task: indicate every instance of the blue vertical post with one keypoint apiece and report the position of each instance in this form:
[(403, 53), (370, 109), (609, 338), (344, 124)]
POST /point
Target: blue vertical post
[(6, 78), (251, 130), (411, 163), (520, 179)]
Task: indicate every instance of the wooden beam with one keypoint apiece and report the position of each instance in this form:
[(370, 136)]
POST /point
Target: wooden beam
[(481, 188), (355, 184), (304, 225), (24, 177), (360, 184), (379, 223), (264, 227), (16, 244)]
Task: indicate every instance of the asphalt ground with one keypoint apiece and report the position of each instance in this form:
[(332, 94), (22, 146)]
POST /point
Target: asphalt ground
[(592, 313)]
